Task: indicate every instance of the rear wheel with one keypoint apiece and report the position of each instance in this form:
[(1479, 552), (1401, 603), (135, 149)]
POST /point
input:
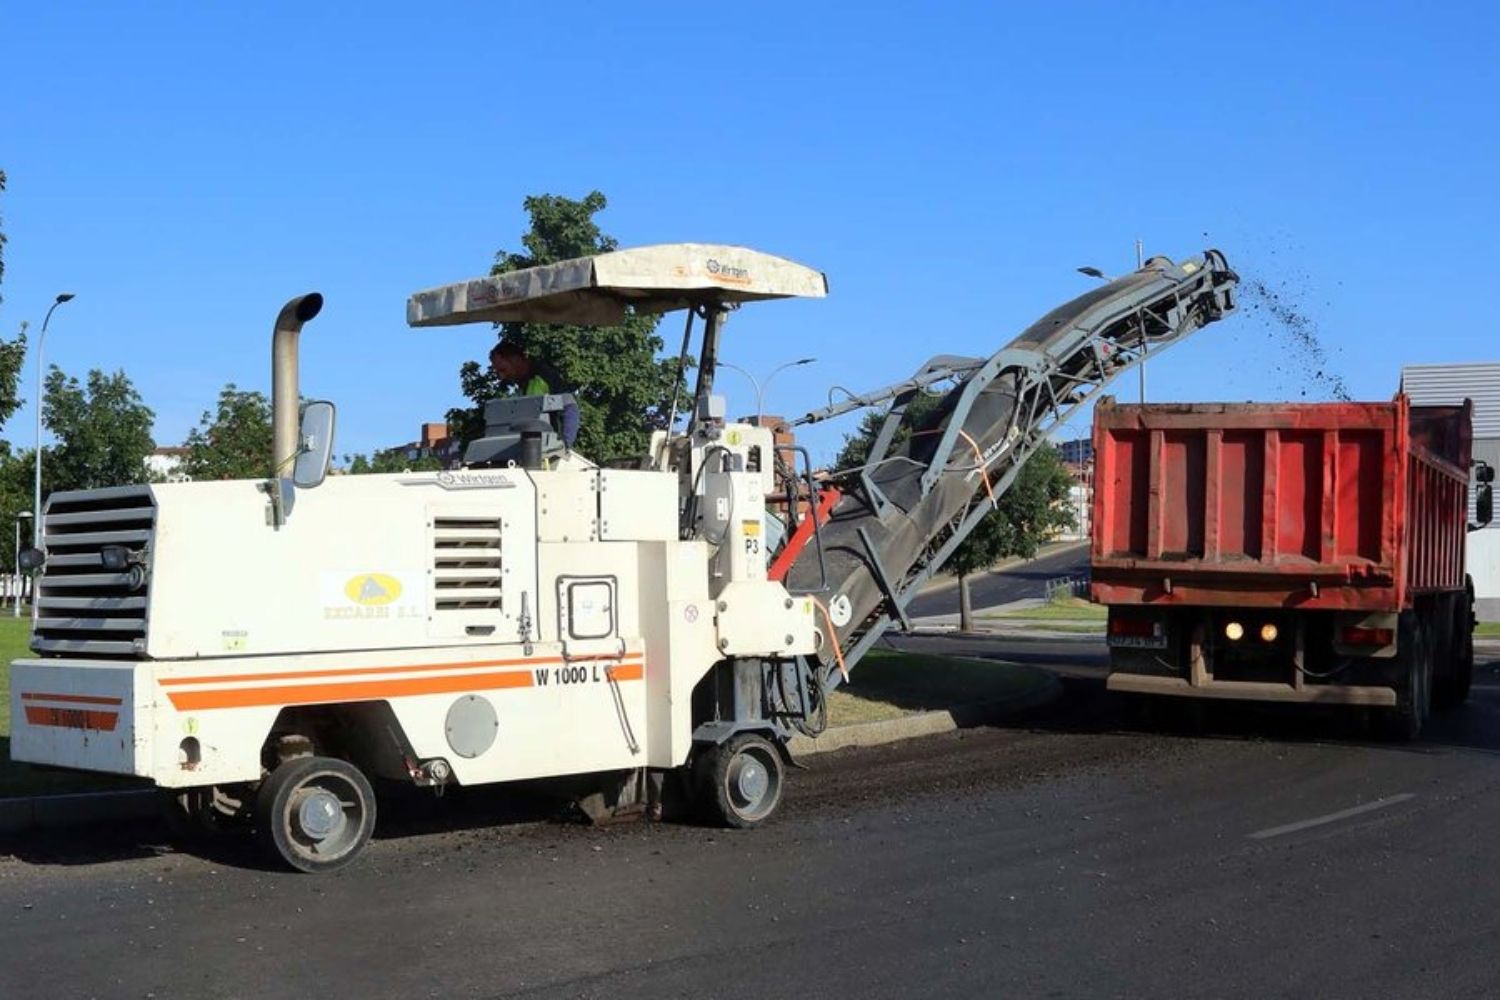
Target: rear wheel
[(315, 813), (1404, 722), (1451, 688), (740, 781)]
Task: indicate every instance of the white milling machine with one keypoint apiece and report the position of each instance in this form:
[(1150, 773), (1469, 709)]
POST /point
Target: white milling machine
[(261, 650), (270, 645)]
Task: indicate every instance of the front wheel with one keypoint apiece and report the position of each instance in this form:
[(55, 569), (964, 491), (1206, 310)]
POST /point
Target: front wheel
[(740, 781), (315, 813)]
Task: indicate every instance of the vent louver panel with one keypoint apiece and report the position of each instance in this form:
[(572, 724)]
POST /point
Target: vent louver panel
[(466, 564), (87, 603)]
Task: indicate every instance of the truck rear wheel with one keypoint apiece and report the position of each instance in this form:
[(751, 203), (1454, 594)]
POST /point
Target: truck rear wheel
[(1450, 688), (740, 781), (1403, 723), (315, 813)]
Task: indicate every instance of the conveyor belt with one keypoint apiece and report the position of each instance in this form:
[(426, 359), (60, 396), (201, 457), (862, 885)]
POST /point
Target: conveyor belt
[(909, 506)]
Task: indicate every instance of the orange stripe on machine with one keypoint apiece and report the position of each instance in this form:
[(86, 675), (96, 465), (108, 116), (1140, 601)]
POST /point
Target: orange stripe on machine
[(370, 687)]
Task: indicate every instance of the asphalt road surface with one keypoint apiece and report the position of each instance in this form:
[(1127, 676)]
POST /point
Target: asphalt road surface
[(1243, 853), (1014, 584)]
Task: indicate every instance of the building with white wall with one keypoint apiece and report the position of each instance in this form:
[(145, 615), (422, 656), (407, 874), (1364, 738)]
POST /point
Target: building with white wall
[(1448, 385)]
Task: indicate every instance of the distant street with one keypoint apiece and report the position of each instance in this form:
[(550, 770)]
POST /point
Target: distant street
[(1239, 853), (987, 590)]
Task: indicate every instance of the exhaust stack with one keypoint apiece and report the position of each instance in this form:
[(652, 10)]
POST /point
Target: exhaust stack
[(284, 393)]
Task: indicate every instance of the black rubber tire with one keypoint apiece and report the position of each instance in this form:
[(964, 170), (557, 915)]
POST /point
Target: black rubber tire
[(1450, 689), (728, 776), (1403, 724), (278, 813)]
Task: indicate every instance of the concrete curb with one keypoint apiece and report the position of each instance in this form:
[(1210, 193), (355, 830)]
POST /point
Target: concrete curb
[(51, 812), (869, 734)]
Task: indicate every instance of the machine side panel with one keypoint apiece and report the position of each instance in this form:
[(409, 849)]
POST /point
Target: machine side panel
[(360, 563), (677, 620)]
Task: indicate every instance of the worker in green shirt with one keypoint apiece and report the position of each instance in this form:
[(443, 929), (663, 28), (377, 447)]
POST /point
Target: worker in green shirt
[(510, 362)]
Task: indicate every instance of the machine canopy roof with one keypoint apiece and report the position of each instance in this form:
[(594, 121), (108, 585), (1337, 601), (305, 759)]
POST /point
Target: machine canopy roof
[(596, 291)]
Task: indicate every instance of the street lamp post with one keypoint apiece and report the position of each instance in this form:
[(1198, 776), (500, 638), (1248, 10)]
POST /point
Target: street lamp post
[(36, 521), (23, 515), (760, 387)]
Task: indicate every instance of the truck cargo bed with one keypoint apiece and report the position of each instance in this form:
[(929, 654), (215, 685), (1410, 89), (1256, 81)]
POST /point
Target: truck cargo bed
[(1322, 506)]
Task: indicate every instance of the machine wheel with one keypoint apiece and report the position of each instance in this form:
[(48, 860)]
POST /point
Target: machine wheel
[(740, 781), (1403, 723), (315, 813), (1451, 688)]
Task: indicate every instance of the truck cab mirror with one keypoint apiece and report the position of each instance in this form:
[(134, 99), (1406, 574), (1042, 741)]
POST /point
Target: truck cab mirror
[(315, 449), (1484, 505)]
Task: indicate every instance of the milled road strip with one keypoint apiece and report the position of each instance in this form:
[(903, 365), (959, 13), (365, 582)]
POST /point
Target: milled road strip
[(1307, 824)]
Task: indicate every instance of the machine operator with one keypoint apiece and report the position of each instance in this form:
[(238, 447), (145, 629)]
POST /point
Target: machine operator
[(509, 361)]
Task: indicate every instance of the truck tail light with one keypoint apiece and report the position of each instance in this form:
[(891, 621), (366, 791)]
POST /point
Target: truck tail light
[(1357, 635), (1135, 628)]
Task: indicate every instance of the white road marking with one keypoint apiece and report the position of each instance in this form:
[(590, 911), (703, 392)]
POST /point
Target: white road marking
[(1276, 831)]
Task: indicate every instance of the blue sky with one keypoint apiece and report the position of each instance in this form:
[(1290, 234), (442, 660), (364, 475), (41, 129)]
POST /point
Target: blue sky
[(185, 168)]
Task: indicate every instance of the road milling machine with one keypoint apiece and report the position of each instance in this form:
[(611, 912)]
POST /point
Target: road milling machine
[(262, 650)]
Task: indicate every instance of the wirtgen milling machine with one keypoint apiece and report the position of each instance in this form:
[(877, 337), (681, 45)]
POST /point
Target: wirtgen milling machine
[(262, 649)]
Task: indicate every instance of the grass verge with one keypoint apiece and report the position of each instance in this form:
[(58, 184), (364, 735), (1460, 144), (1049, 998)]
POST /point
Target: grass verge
[(1069, 609), (889, 685), (1488, 630)]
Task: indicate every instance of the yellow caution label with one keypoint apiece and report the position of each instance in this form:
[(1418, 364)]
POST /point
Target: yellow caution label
[(750, 528)]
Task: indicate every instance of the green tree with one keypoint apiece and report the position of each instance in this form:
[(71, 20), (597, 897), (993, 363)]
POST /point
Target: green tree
[(16, 482), (624, 389), (1034, 509), (388, 461), (103, 431), (232, 441)]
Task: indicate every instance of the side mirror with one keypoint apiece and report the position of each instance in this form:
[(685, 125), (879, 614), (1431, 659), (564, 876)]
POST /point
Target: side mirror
[(315, 444), (1484, 505)]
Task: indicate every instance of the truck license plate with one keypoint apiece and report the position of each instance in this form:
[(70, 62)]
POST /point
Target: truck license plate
[(1139, 641)]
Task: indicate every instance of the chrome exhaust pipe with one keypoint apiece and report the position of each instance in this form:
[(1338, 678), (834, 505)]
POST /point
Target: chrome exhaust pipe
[(284, 393)]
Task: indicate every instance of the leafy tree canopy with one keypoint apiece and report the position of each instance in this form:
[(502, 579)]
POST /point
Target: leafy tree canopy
[(624, 390), (232, 441), (103, 431), (390, 460)]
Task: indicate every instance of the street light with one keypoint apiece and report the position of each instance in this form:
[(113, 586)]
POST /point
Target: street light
[(36, 521), (760, 410), (23, 515)]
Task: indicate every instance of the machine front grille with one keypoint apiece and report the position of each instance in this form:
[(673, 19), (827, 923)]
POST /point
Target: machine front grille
[(466, 564), (86, 603)]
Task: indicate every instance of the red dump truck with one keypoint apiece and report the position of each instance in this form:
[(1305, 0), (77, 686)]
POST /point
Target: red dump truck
[(1288, 552)]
